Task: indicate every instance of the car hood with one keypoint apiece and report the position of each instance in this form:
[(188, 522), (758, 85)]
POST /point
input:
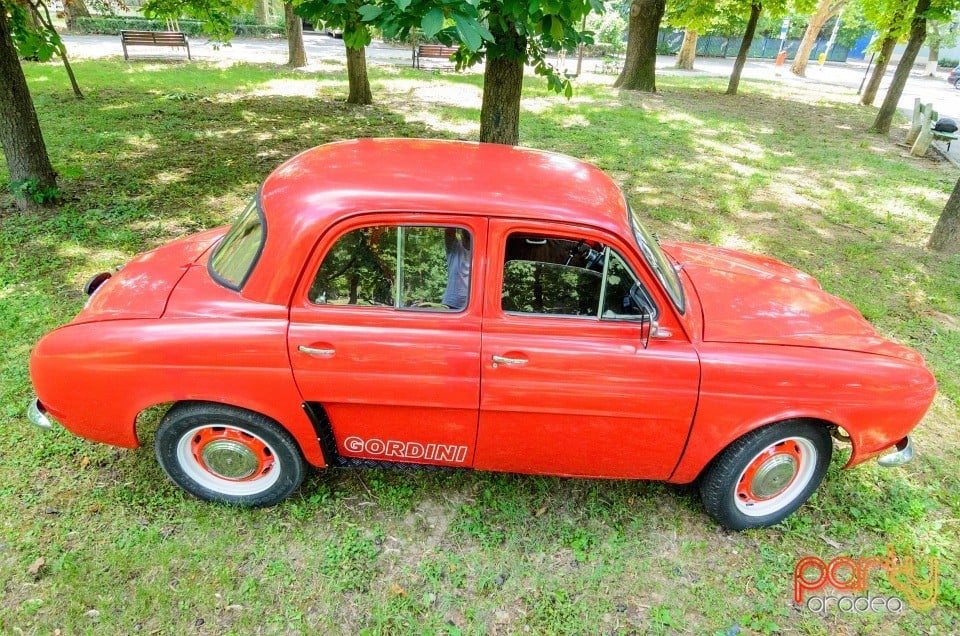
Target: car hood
[(755, 299), (141, 288)]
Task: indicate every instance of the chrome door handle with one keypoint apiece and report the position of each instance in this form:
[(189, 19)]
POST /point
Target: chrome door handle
[(320, 353), (510, 362)]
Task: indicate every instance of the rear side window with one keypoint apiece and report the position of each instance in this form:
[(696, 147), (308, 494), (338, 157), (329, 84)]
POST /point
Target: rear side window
[(239, 250), (403, 267)]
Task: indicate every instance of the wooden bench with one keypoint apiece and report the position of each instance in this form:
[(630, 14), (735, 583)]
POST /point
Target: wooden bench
[(433, 51), (941, 135), (153, 38)]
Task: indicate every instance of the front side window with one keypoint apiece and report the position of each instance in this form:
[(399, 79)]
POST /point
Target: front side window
[(563, 277), (404, 267), (239, 250)]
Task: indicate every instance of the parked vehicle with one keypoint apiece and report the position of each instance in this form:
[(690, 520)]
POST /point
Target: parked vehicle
[(389, 302), (954, 77)]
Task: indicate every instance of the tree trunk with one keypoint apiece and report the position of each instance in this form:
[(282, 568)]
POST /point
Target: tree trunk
[(934, 56), (946, 235), (825, 10), (73, 9), (20, 134), (918, 32), (502, 86), (688, 50), (297, 54), (640, 67), (883, 60), (357, 77), (261, 11), (734, 84)]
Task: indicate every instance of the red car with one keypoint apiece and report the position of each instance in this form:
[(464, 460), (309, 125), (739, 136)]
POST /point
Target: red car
[(407, 302)]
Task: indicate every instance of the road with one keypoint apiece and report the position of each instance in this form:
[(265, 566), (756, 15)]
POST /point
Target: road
[(844, 77)]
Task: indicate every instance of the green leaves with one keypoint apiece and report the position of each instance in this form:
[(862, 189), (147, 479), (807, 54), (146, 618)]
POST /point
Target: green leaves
[(432, 23), (369, 12), (31, 42)]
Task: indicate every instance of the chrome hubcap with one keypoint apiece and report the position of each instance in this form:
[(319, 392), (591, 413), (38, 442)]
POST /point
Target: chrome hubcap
[(773, 476), (229, 459)]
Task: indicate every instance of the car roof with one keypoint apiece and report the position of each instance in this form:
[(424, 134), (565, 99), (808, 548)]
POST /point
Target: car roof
[(439, 176), (308, 193)]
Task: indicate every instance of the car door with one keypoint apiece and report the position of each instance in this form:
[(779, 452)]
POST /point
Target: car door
[(567, 383), (385, 336)]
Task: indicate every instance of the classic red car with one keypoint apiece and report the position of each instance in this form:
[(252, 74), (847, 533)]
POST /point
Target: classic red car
[(410, 302)]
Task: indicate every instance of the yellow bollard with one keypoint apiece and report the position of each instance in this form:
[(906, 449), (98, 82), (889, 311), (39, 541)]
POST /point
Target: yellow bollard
[(821, 59)]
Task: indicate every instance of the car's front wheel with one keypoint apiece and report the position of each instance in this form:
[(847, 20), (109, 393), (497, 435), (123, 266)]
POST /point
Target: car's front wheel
[(763, 477), (228, 455)]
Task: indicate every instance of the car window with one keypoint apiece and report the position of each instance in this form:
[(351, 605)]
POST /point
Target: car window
[(404, 267), (563, 277), (239, 250)]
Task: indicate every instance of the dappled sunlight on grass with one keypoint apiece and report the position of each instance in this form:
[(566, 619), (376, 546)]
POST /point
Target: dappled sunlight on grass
[(159, 151)]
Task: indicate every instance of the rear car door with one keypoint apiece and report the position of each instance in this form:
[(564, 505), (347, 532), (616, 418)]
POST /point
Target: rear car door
[(568, 386), (385, 336)]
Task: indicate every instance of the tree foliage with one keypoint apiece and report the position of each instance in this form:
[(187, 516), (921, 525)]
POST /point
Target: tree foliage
[(544, 25), (213, 14)]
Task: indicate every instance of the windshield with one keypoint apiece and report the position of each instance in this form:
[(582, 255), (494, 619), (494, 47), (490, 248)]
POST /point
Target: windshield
[(237, 253), (657, 260)]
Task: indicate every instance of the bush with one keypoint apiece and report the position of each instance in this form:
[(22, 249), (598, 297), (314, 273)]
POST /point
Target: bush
[(113, 26), (947, 62)]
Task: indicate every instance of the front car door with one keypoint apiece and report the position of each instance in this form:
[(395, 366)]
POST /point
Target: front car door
[(385, 336), (567, 385)]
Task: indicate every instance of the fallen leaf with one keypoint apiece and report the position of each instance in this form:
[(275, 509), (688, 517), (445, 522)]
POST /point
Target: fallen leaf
[(84, 461), (540, 511), (396, 590), (36, 566)]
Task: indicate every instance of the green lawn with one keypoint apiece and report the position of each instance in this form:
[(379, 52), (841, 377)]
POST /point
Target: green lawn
[(160, 150)]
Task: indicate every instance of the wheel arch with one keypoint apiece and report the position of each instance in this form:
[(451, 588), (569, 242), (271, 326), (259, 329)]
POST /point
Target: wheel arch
[(303, 433), (691, 468), (830, 426)]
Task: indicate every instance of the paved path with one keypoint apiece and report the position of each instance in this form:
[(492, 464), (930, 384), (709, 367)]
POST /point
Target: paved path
[(323, 48)]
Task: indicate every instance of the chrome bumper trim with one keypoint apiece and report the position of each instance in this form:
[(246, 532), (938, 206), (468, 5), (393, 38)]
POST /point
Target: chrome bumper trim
[(38, 416), (899, 457)]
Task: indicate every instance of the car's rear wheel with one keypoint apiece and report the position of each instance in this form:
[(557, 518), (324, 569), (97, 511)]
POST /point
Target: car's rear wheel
[(763, 477), (228, 455)]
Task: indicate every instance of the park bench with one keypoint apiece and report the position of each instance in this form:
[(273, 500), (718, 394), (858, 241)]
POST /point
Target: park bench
[(433, 51), (153, 38), (941, 135)]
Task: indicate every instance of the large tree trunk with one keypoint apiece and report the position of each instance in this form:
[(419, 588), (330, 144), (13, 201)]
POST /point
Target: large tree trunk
[(640, 68), (918, 32), (297, 54), (825, 10), (502, 86), (688, 50), (261, 11), (20, 134), (883, 60), (946, 235), (734, 84), (357, 77), (73, 9)]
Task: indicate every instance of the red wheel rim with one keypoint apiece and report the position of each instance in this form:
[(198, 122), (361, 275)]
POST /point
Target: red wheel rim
[(231, 454), (771, 473)]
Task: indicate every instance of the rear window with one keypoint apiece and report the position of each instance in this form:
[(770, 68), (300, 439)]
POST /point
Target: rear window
[(239, 250)]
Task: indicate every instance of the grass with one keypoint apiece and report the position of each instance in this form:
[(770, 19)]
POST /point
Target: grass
[(94, 539)]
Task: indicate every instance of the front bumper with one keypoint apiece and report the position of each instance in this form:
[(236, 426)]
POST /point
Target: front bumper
[(39, 417), (899, 457)]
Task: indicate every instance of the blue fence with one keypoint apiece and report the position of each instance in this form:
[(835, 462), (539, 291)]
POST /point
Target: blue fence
[(668, 42)]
